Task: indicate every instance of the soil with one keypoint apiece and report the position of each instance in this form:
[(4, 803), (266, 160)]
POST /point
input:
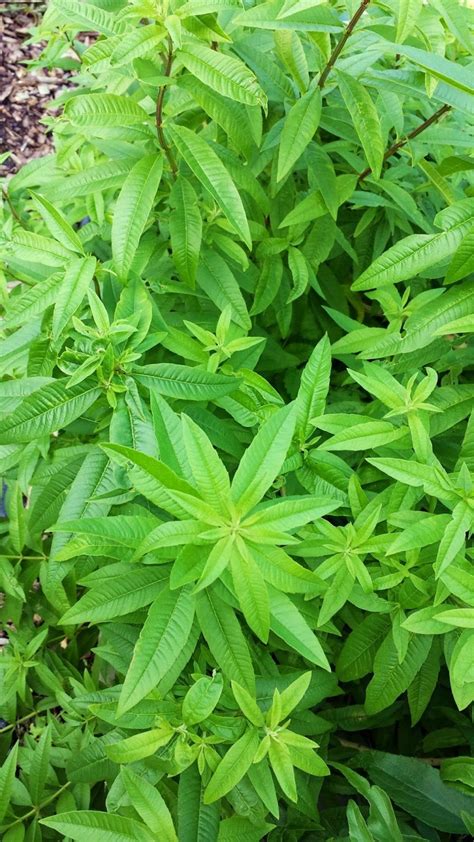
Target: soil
[(25, 91)]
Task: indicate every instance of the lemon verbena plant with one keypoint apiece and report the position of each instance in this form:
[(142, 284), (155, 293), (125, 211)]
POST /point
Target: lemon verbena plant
[(236, 427)]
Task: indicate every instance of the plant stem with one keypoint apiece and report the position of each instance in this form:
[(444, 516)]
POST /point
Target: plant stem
[(36, 810), (159, 110), (10, 204), (342, 42), (414, 133)]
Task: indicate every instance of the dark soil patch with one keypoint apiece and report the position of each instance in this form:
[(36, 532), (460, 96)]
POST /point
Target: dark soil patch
[(24, 92)]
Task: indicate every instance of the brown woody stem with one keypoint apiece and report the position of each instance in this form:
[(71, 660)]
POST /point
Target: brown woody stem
[(414, 133), (342, 42), (159, 110)]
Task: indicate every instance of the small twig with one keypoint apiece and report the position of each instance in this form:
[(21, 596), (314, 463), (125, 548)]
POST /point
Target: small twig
[(72, 46), (10, 204), (37, 810), (414, 133), (159, 110), (342, 42)]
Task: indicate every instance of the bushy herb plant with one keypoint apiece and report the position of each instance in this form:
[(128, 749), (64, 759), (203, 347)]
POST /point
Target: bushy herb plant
[(236, 430)]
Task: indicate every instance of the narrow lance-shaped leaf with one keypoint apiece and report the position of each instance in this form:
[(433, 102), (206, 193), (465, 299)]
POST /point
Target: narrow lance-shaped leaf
[(225, 74), (211, 172), (185, 229), (74, 286), (299, 128), (132, 210), (164, 633), (365, 118), (51, 408)]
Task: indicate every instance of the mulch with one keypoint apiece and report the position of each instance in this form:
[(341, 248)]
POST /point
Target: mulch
[(25, 91)]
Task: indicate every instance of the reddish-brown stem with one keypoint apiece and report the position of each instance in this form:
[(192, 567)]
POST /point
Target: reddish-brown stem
[(159, 110), (342, 42), (414, 133)]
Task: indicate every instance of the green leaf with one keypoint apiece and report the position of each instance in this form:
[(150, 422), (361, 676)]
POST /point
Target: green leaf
[(313, 390), (214, 177), (251, 591), (366, 120), (183, 381), (289, 624), (81, 824), (225, 74), (164, 634), (216, 279), (197, 822), (392, 678), (263, 459), (412, 255), (132, 209), (139, 746), (71, 293), (50, 408), (185, 229), (417, 788), (7, 779), (138, 42), (298, 130), (225, 639), (116, 596), (232, 767), (201, 699), (97, 111), (441, 68), (150, 805), (58, 226)]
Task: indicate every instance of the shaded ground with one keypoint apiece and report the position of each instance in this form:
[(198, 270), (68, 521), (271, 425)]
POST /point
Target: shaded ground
[(24, 92)]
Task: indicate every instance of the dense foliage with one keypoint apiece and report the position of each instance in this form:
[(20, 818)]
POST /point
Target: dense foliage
[(236, 430)]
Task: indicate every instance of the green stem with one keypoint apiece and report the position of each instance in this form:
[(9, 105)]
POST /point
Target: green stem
[(36, 810)]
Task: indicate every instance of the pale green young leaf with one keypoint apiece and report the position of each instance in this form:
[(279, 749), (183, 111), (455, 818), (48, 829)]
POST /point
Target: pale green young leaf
[(150, 805), (247, 705), (80, 825), (201, 698), (232, 767), (263, 459)]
